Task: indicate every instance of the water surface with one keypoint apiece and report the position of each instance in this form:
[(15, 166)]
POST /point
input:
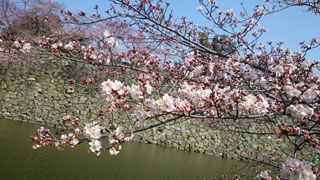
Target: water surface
[(136, 161)]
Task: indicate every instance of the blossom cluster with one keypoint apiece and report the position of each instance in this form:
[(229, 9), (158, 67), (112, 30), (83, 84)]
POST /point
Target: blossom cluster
[(19, 44), (296, 169), (53, 44), (264, 175), (95, 147), (109, 39), (66, 140), (284, 129), (88, 53), (113, 93), (116, 138), (301, 111), (165, 104), (69, 45), (22, 45), (196, 95), (189, 97), (69, 121), (92, 132), (43, 138), (293, 169), (312, 140), (256, 104), (299, 91)]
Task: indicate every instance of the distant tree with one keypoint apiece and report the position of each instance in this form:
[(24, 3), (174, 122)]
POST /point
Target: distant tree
[(219, 43), (204, 40), (223, 44), (33, 19), (8, 10), (31, 24)]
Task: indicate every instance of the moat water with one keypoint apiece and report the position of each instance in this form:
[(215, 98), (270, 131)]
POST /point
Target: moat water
[(136, 161)]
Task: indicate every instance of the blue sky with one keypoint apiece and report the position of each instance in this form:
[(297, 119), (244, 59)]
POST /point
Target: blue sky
[(290, 26)]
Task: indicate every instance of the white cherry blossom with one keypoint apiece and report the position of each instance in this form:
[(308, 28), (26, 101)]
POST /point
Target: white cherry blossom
[(95, 146), (113, 151), (92, 130)]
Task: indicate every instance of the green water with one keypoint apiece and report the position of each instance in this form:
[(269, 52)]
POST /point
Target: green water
[(136, 161)]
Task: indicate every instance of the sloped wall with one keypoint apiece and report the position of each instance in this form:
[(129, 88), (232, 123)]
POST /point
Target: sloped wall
[(42, 95)]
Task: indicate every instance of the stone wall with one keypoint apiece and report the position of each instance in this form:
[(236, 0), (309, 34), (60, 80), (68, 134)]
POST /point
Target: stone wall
[(42, 95)]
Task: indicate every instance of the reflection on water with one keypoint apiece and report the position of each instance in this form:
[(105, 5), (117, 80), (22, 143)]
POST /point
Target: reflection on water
[(136, 161)]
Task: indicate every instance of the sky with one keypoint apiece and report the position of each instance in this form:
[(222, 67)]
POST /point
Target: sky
[(290, 26)]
